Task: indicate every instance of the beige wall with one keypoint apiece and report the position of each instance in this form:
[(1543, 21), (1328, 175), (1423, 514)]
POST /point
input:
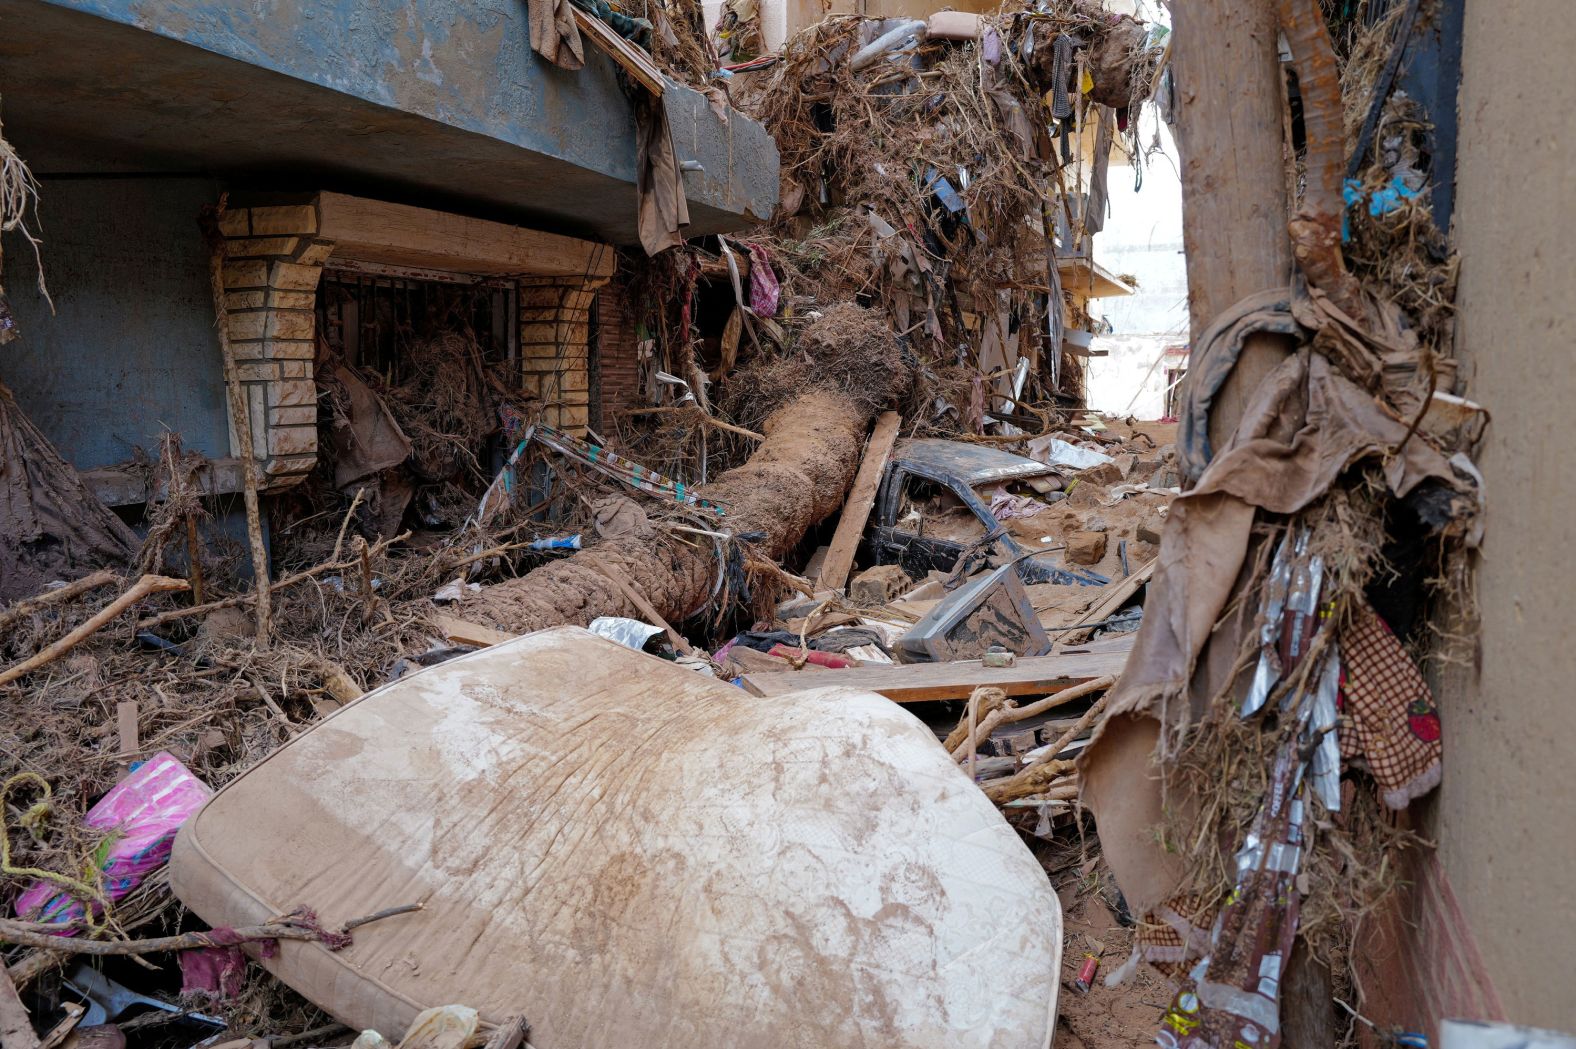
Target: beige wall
[(1506, 817)]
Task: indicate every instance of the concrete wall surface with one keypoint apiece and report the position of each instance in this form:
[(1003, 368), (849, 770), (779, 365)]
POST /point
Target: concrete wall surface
[(440, 103), (1506, 815), (131, 348)]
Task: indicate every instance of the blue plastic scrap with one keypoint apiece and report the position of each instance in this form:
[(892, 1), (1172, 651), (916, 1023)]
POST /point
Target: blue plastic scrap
[(1381, 202), (944, 191), (568, 542)]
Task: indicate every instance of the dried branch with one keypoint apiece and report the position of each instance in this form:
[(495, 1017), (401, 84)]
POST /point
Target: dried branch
[(148, 584)]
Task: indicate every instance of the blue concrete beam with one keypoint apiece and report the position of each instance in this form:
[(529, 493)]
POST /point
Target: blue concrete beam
[(437, 102)]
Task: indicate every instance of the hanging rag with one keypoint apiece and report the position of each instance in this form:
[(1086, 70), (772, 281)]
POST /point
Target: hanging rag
[(765, 292), (554, 34), (1062, 73), (1099, 195), (219, 972), (1394, 724), (659, 181), (366, 437), (1214, 356)]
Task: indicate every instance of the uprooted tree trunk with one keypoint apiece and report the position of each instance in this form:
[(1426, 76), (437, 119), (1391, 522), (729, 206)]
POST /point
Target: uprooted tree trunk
[(797, 477), (1316, 227)]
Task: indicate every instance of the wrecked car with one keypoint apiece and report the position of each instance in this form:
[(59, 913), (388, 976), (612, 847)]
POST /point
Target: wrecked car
[(933, 511)]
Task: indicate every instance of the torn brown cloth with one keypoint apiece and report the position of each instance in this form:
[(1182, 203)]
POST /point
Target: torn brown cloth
[(554, 34), (620, 517), (367, 440), (1305, 425), (51, 526), (659, 181)]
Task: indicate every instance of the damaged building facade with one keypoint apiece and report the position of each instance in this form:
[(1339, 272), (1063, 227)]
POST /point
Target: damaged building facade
[(373, 158)]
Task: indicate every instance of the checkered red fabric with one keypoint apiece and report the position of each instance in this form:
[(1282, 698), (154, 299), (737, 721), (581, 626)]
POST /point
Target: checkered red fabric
[(1391, 721)]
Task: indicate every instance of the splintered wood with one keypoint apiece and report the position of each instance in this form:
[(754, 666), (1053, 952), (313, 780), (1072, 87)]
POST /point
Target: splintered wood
[(919, 682), (845, 541)]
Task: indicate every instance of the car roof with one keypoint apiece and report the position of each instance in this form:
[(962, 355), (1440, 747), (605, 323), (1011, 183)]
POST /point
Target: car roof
[(973, 464)]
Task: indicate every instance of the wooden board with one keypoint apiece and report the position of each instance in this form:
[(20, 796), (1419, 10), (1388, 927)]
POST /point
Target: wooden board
[(464, 632), (376, 231), (856, 511), (634, 61), (127, 716), (919, 682), (1114, 596)]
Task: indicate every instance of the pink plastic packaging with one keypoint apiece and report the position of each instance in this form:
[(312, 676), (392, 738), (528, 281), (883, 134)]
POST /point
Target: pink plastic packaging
[(139, 816)]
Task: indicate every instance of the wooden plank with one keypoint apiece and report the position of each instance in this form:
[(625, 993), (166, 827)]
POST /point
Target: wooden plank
[(62, 1030), (856, 511), (464, 632), (634, 61), (1092, 279), (920, 682), (646, 609), (1114, 596), (376, 231), (128, 485), (127, 715)]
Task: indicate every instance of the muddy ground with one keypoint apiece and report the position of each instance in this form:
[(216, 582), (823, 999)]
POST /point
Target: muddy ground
[(1106, 1017)]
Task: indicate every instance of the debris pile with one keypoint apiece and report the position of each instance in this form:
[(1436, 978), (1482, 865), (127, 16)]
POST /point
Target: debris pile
[(860, 463), (1315, 559), (945, 173), (860, 460)]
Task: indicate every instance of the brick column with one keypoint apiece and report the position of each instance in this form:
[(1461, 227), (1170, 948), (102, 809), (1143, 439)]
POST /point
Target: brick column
[(617, 350), (555, 333), (273, 261)]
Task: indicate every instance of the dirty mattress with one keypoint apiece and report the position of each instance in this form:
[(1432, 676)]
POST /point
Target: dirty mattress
[(632, 854)]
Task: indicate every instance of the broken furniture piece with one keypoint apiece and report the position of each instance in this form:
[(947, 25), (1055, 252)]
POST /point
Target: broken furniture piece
[(991, 610), (961, 470)]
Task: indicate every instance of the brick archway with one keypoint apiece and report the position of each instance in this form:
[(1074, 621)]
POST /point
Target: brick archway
[(275, 254)]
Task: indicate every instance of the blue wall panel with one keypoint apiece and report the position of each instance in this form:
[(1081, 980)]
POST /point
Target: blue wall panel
[(131, 349)]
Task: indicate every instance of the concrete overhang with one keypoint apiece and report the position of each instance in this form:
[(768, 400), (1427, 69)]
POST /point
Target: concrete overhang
[(440, 103), (1085, 277)]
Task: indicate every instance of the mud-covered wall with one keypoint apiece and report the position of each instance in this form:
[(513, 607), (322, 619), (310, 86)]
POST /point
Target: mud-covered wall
[(1506, 815)]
